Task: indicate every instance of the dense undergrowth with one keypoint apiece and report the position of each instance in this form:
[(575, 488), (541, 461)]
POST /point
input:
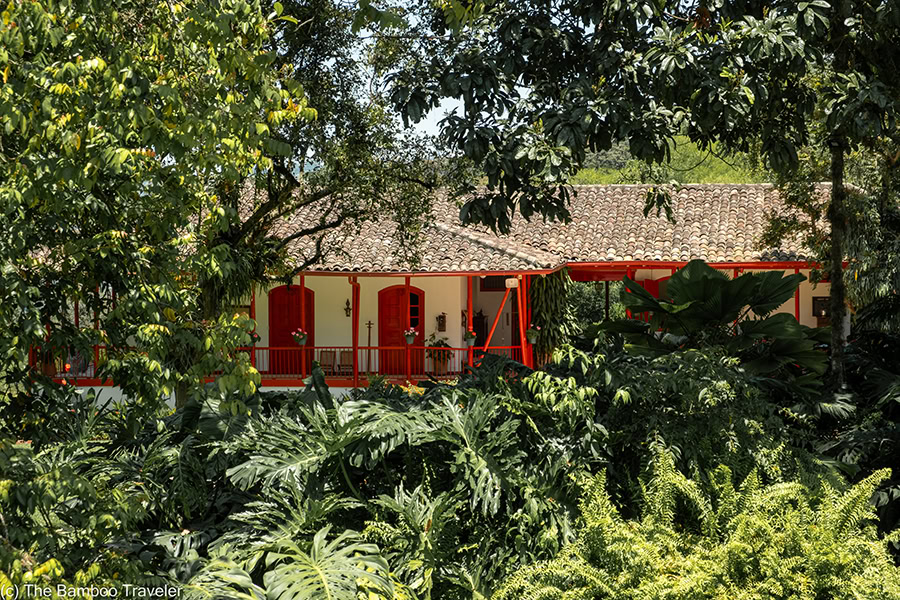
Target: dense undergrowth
[(612, 472)]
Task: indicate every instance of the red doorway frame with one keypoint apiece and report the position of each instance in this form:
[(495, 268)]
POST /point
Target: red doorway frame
[(283, 320), (393, 362)]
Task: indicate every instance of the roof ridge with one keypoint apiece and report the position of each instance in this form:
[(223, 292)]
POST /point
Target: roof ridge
[(499, 244)]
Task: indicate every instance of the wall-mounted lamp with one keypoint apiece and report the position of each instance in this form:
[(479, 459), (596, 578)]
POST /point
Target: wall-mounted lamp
[(442, 321), (347, 309)]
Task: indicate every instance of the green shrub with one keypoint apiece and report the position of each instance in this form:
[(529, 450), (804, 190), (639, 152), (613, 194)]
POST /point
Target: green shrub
[(798, 540)]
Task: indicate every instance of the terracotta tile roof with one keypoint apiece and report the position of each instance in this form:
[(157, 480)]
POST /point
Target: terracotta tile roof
[(443, 247), (715, 222)]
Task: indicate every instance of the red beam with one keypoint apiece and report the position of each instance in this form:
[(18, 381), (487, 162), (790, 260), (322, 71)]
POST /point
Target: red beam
[(761, 265), (496, 320), (797, 300)]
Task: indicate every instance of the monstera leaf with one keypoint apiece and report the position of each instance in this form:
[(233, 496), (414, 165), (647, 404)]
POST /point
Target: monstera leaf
[(334, 570), (704, 307)]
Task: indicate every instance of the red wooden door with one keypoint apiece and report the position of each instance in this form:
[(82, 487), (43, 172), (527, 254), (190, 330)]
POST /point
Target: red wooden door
[(284, 318), (392, 323)]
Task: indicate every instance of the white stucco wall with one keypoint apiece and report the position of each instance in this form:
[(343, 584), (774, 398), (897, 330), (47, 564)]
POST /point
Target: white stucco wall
[(489, 303), (334, 328)]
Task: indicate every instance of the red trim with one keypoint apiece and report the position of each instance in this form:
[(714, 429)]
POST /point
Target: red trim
[(633, 265), (797, 299)]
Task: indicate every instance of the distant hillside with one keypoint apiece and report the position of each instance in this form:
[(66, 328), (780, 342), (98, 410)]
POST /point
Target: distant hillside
[(689, 165)]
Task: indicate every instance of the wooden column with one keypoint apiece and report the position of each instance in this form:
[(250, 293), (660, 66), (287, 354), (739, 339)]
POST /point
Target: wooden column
[(302, 323), (471, 351), (797, 300), (355, 330), (408, 325)]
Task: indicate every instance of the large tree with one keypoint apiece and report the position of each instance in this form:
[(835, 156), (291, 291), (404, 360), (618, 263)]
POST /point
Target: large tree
[(118, 118), (149, 150), (543, 82)]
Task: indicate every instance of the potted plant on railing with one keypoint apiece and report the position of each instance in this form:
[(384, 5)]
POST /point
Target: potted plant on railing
[(531, 334), (470, 337), (410, 335), (300, 336), (436, 352)]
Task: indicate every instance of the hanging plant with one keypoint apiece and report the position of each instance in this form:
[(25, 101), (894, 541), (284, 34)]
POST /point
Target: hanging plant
[(300, 336), (553, 322)]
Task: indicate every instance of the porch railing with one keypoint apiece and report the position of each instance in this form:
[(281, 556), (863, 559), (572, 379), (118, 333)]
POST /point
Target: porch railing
[(63, 364), (391, 361), (293, 362)]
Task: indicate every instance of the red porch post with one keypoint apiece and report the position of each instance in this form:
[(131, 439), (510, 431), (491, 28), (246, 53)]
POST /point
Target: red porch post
[(523, 343), (797, 299), (302, 322), (471, 352), (253, 316), (527, 294), (629, 273), (355, 331), (408, 325)]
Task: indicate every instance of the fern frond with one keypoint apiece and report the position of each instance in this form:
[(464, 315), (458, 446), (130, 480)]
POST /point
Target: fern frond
[(855, 505)]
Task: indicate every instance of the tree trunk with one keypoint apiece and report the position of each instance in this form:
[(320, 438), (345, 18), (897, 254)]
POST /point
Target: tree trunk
[(838, 225), (181, 394)]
